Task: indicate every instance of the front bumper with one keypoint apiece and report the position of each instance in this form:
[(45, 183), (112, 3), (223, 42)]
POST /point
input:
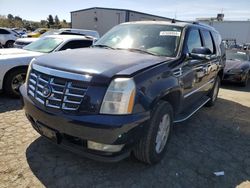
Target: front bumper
[(106, 129), (234, 77)]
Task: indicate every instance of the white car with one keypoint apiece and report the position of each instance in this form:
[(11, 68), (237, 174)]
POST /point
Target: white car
[(7, 37), (14, 62), (21, 42)]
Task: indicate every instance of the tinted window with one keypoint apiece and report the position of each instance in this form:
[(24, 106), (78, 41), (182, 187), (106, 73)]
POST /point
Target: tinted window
[(194, 40), (3, 31), (77, 44), (208, 40)]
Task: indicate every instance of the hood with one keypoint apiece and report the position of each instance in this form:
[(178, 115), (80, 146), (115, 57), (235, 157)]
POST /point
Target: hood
[(97, 61), (26, 40), (10, 53), (235, 64)]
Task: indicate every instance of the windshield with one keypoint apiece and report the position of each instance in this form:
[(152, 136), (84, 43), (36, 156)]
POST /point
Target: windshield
[(44, 45), (236, 55), (162, 40)]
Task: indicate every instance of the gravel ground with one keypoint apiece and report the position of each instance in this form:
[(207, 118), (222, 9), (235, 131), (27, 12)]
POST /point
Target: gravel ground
[(215, 139)]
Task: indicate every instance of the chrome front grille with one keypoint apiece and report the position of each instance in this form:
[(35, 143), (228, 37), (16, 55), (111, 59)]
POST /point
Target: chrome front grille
[(56, 92)]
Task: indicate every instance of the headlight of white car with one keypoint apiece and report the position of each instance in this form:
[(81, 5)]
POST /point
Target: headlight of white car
[(119, 98), (29, 69)]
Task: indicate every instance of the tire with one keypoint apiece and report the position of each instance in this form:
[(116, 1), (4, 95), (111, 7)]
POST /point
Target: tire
[(9, 44), (244, 84), (213, 94), (13, 78), (146, 150)]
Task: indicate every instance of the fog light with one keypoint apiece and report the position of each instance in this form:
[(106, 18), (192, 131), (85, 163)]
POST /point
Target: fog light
[(104, 147)]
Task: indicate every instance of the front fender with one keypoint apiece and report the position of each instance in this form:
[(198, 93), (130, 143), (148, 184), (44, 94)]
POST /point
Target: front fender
[(154, 85)]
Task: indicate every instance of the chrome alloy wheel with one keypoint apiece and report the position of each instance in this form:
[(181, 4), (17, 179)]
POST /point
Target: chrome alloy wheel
[(162, 134), (17, 81)]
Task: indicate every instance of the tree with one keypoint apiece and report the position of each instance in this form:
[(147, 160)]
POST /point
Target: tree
[(50, 20), (17, 18), (64, 24), (10, 17), (57, 21), (43, 23)]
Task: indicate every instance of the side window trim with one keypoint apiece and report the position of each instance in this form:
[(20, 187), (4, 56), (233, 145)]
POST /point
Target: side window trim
[(213, 41), (203, 39)]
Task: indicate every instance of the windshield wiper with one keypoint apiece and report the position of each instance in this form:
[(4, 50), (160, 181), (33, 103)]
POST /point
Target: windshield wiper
[(103, 46), (140, 50)]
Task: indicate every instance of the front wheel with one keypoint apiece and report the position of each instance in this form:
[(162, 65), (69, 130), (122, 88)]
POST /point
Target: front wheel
[(14, 79), (9, 44), (213, 94), (152, 147), (245, 82)]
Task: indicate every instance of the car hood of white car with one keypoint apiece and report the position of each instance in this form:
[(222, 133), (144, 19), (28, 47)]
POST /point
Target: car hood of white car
[(27, 40), (17, 53)]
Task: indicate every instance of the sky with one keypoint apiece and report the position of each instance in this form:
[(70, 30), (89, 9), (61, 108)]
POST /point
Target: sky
[(37, 10)]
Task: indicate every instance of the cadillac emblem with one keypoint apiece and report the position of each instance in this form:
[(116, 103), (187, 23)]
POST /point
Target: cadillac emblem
[(46, 91)]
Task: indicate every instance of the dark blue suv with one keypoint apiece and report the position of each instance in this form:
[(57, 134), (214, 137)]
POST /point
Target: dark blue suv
[(123, 94)]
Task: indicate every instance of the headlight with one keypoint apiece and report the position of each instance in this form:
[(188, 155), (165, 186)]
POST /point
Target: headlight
[(119, 98), (29, 69)]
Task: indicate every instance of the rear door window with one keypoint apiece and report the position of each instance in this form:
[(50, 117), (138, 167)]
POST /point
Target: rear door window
[(3, 31)]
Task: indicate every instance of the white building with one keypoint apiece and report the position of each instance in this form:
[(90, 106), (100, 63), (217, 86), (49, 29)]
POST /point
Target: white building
[(234, 30), (103, 19)]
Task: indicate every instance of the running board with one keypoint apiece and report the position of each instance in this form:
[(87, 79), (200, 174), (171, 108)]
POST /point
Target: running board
[(185, 115)]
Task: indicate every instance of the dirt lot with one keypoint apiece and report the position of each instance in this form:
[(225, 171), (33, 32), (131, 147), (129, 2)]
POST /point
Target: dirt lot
[(214, 139)]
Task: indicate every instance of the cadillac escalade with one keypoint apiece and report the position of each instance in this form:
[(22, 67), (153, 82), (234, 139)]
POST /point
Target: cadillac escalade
[(123, 95)]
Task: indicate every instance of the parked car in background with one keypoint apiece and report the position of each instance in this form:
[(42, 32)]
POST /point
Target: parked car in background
[(21, 42), (37, 33), (246, 46), (8, 37), (237, 67), (20, 31), (14, 62), (123, 95)]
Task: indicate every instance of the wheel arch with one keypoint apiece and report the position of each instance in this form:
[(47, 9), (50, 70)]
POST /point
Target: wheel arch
[(13, 69), (174, 99), (10, 40)]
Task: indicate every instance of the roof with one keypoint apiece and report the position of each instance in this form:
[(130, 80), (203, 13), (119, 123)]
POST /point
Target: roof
[(68, 37), (127, 10), (172, 22), (181, 24)]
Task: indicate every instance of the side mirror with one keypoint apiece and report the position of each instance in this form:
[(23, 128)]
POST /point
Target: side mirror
[(201, 53)]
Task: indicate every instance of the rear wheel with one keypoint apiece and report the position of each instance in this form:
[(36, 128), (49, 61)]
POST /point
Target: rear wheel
[(213, 95), (13, 80), (9, 44), (152, 147)]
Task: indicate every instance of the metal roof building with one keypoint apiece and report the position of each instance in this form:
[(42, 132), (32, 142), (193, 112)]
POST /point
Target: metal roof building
[(103, 19), (232, 30)]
